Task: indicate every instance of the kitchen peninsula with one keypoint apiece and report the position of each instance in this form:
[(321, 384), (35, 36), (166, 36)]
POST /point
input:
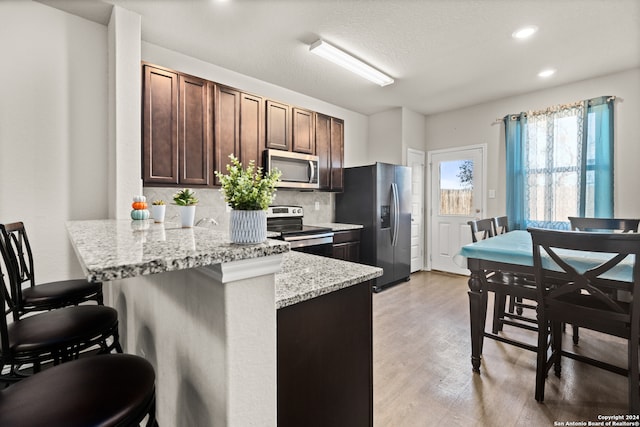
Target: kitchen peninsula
[(204, 312)]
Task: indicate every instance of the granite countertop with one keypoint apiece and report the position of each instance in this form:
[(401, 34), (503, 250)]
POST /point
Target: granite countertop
[(117, 249), (305, 276), (336, 226)]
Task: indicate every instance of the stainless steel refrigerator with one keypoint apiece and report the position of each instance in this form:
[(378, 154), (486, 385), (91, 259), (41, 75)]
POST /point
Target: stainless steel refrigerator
[(379, 197)]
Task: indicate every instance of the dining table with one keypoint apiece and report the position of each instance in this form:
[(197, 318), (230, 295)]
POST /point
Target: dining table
[(512, 253)]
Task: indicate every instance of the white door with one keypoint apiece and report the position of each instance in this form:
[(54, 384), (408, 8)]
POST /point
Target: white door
[(416, 160), (456, 196)]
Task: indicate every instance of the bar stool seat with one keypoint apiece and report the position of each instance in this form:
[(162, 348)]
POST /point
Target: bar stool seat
[(106, 390), (60, 328), (59, 294)]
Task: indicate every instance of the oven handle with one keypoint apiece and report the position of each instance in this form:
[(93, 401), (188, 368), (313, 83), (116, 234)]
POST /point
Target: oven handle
[(309, 236)]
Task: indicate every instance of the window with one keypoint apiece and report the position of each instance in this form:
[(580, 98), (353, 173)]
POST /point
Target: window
[(559, 164)]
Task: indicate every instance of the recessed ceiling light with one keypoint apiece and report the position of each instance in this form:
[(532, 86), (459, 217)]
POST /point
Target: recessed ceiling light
[(524, 32), (547, 73)]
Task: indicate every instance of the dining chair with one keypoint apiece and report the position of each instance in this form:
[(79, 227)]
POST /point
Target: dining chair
[(50, 337), (107, 390), (503, 284), (481, 229), (44, 296), (622, 225), (516, 304), (577, 274)]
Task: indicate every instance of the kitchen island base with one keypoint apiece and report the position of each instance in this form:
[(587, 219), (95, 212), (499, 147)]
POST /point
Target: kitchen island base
[(211, 341), (325, 364)]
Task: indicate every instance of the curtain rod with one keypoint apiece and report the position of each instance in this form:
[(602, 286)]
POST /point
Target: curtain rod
[(560, 106)]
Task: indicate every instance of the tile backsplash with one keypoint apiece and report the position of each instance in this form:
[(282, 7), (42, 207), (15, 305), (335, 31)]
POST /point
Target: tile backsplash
[(212, 204)]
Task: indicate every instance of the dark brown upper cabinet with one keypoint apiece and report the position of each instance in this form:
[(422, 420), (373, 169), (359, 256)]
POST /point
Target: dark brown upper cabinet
[(190, 126), (177, 139), (323, 150), (303, 131), (337, 154), (227, 119), (160, 126), (329, 136), (278, 125), (252, 137), (239, 127), (194, 132)]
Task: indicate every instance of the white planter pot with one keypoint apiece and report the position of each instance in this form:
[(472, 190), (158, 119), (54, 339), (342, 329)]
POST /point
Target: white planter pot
[(187, 215), (157, 212), (248, 227)]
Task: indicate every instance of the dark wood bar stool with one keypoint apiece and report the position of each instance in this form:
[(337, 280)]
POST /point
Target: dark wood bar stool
[(53, 336), (622, 225), (108, 390), (567, 294), (503, 284), (45, 296)]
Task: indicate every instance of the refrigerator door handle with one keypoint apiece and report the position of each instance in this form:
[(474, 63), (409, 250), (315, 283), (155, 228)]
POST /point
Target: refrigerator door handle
[(396, 214)]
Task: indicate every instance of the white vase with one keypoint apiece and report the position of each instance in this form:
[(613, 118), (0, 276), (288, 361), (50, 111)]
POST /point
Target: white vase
[(248, 227), (187, 215), (157, 212)]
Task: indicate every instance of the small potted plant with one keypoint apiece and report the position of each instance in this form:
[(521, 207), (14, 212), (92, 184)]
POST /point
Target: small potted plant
[(249, 193), (158, 209), (186, 201)]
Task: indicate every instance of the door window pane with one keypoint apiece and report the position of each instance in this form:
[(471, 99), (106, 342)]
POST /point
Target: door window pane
[(456, 187)]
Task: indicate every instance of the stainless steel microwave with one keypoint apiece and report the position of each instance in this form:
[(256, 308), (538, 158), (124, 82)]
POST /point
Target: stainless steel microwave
[(298, 170)]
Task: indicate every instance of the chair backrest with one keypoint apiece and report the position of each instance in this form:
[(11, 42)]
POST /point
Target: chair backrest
[(624, 225), (481, 228), (19, 257), (500, 225), (577, 274), (8, 307)]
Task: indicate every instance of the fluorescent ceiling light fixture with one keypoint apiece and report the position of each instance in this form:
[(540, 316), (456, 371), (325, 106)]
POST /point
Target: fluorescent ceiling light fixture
[(547, 73), (525, 32), (335, 55)]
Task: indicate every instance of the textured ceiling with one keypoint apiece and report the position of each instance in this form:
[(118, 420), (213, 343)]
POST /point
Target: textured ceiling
[(443, 54)]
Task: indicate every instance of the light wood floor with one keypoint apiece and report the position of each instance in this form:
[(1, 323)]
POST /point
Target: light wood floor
[(422, 366)]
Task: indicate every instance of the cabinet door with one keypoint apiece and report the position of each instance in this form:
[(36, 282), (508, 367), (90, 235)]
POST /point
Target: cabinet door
[(323, 150), (227, 119), (160, 126), (277, 125), (251, 129), (194, 134), (337, 154), (303, 135)]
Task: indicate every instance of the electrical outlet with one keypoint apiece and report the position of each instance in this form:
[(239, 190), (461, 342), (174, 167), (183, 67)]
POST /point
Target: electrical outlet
[(317, 206), (492, 194)]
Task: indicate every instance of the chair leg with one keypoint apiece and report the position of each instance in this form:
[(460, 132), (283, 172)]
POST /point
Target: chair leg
[(556, 347), (498, 311), (541, 358), (634, 392), (576, 337)]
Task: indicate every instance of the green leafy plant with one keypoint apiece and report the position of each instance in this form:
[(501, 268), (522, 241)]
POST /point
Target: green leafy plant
[(248, 189), (185, 197), (158, 202)]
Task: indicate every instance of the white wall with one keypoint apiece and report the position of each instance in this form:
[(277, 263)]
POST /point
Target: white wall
[(394, 131), (476, 125), (385, 137), (53, 128)]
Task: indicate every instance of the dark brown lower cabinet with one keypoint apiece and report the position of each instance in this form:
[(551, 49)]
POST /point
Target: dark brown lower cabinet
[(325, 361), (346, 245)]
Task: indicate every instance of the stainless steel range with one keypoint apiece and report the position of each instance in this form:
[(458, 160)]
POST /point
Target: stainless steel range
[(287, 220)]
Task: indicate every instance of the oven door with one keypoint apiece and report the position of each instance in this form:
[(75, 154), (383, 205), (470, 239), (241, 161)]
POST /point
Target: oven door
[(317, 244)]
